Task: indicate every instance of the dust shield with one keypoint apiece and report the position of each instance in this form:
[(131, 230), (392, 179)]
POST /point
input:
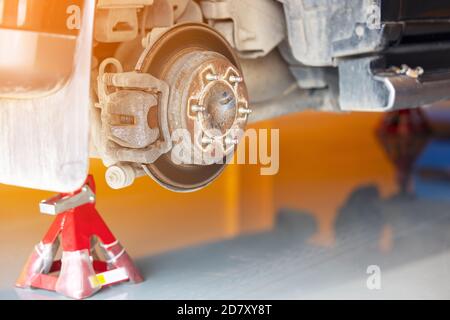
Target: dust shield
[(45, 62)]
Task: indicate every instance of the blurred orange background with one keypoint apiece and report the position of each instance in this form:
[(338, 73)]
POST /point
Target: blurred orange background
[(323, 158)]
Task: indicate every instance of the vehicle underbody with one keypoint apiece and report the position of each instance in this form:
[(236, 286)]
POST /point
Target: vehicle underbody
[(208, 66)]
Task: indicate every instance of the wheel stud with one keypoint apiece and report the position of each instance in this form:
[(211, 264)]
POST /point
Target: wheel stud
[(245, 111), (197, 108), (235, 79), (212, 77)]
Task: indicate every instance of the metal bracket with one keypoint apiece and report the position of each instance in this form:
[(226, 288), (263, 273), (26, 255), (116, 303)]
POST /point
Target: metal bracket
[(60, 204), (144, 86), (117, 20)]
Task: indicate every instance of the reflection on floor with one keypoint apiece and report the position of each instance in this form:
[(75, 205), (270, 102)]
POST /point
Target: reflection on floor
[(341, 202)]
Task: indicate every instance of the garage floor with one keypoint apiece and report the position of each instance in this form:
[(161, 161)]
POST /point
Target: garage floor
[(280, 264), (360, 210)]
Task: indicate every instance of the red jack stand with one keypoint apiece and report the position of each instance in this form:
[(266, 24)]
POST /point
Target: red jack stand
[(403, 135), (81, 274), (408, 122)]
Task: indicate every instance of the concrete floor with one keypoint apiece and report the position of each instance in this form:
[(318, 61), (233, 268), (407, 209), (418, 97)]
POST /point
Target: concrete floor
[(281, 264)]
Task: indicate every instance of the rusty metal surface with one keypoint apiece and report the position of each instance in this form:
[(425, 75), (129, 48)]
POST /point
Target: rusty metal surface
[(185, 57)]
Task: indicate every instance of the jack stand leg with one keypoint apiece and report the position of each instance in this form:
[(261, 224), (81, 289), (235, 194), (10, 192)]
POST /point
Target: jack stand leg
[(119, 258), (75, 278), (39, 262), (81, 274)]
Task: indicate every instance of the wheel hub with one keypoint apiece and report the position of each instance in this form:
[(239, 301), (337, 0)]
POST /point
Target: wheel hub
[(208, 99)]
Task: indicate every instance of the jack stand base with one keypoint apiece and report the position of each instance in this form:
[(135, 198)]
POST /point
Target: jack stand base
[(79, 226)]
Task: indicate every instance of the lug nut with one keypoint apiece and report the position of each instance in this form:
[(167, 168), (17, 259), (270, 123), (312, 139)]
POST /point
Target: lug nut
[(235, 79), (196, 108), (212, 77), (245, 111)]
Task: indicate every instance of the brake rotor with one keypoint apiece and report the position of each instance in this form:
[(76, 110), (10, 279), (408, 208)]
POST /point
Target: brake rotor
[(206, 92)]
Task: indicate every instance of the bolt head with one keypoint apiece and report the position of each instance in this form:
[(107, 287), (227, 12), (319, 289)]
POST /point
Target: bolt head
[(119, 177)]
